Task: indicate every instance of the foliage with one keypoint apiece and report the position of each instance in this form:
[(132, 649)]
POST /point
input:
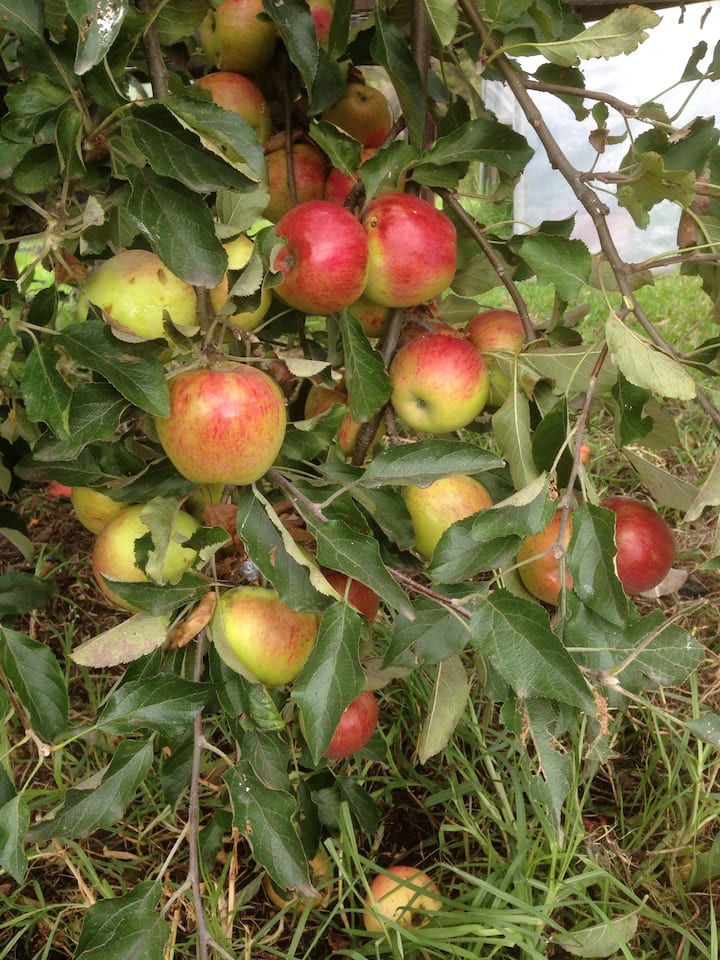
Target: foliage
[(106, 144)]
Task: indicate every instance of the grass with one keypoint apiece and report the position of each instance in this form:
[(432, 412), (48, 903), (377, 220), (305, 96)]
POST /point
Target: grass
[(630, 870)]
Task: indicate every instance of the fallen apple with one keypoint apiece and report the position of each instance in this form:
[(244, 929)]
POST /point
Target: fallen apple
[(403, 895), (237, 35), (321, 874), (433, 509), (645, 544), (357, 724), (542, 560)]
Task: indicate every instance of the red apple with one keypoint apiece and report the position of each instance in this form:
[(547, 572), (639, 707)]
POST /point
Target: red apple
[(93, 508), (260, 637), (321, 397), (436, 507), (348, 434), (494, 331), (439, 383), (339, 184), (236, 92), (114, 550), (324, 261), (363, 112), (357, 724), (542, 560), (372, 317), (396, 895), (413, 250), (226, 423), (234, 36), (645, 544), (357, 594), (309, 170), (134, 290), (322, 13)]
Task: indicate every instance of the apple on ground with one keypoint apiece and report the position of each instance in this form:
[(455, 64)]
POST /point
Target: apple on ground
[(433, 509), (236, 92), (324, 259), (238, 253), (404, 895), (93, 508), (57, 490), (309, 171), (363, 112), (321, 873), (134, 289), (114, 551), (237, 35), (260, 637), (439, 383), (542, 562), (412, 250), (357, 725), (226, 423), (494, 331), (357, 594), (645, 544)]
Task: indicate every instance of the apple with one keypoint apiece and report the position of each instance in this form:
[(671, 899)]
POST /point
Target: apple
[(309, 170), (236, 35), (417, 324), (239, 252), (493, 331), (322, 13), (363, 112), (58, 491), (436, 507), (357, 594), (134, 289), (321, 872), (321, 397), (236, 92), (396, 895), (339, 184), (226, 423), (412, 250), (357, 724), (206, 495), (348, 434), (542, 559), (93, 508), (439, 383), (324, 260), (114, 550), (645, 544), (372, 317), (260, 637)]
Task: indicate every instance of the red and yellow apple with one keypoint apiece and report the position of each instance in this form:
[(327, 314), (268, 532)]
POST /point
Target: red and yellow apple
[(645, 544), (494, 331), (236, 92), (433, 509), (260, 637), (541, 560), (134, 290), (372, 317), (226, 423), (412, 250), (357, 724), (114, 551), (309, 171), (403, 895), (324, 259), (363, 112), (322, 13), (93, 508), (357, 594), (439, 383), (339, 184), (236, 35)]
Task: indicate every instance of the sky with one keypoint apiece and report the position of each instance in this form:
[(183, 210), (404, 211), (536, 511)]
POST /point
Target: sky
[(643, 75)]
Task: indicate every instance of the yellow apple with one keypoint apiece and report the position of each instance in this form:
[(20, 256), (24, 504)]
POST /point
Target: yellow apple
[(93, 508), (436, 507), (404, 895)]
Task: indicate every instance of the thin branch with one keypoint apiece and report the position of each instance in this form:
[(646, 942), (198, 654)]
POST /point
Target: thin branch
[(154, 54), (626, 109), (298, 496), (404, 580)]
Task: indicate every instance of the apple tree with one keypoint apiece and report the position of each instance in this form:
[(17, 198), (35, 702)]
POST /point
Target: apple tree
[(187, 329)]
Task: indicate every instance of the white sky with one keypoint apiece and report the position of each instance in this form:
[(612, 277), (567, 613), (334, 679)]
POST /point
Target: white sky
[(643, 75)]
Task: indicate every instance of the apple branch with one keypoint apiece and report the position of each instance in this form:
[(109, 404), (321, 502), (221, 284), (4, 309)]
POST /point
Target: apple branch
[(154, 55)]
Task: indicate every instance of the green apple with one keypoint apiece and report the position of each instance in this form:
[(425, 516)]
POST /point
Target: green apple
[(236, 35), (260, 637), (403, 894), (114, 550), (93, 508), (436, 507), (238, 253)]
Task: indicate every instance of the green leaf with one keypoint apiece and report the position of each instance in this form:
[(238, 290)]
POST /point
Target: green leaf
[(562, 263), (14, 822), (357, 555), (157, 599), (132, 368), (707, 496), (125, 928), (368, 384), (667, 488), (164, 704), (178, 19), (224, 128), (443, 18), (445, 708), (483, 140), (591, 555), (127, 641), (421, 463), (101, 802), (644, 365), (22, 592), (331, 678), (179, 226), (27, 23), (46, 394), (515, 635), (297, 30), (390, 49), (98, 23), (38, 681), (569, 368), (435, 631), (633, 423), (650, 183), (602, 939), (267, 818), (511, 429)]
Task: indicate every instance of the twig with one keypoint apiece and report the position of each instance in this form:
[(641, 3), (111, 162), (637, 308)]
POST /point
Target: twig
[(298, 496), (415, 587), (154, 55), (626, 109)]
